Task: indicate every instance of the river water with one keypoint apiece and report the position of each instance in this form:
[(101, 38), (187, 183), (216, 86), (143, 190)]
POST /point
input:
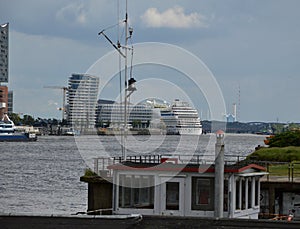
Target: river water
[(43, 177)]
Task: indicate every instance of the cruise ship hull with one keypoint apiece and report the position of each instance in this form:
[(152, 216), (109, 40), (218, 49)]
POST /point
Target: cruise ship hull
[(190, 131)]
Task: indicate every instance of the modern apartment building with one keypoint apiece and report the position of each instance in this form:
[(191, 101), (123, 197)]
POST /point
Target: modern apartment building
[(82, 101), (4, 53), (6, 97), (111, 114)]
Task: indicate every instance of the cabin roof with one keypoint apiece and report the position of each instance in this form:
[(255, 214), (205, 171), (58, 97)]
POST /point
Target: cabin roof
[(241, 167)]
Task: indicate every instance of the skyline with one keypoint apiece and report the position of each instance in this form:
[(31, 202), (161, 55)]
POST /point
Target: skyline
[(251, 46)]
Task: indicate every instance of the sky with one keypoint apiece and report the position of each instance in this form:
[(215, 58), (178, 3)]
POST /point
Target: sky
[(252, 47)]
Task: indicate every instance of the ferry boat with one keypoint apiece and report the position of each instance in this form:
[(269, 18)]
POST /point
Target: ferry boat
[(180, 118), (8, 134)]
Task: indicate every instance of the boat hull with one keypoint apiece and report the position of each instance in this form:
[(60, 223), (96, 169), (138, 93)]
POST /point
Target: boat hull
[(190, 131), (184, 131), (18, 138)]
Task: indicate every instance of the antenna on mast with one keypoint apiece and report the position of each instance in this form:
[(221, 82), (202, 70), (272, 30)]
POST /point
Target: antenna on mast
[(129, 84)]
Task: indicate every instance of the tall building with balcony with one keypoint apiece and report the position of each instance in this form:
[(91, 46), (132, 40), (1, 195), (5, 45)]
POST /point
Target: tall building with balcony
[(82, 101), (4, 53)]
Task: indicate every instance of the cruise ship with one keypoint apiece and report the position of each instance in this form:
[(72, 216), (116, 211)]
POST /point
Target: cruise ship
[(180, 118)]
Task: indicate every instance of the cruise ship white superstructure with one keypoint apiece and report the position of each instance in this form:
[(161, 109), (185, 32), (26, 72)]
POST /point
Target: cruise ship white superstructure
[(181, 118)]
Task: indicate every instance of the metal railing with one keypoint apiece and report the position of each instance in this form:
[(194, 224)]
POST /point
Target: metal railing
[(277, 171), (101, 164), (294, 170), (282, 171)]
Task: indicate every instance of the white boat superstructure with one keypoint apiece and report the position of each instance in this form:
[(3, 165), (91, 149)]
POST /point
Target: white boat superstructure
[(181, 118), (8, 132), (7, 126)]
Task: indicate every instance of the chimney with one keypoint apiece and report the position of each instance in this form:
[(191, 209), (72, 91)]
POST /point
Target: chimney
[(234, 111)]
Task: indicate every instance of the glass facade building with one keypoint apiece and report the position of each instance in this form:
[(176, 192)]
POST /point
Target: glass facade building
[(82, 101), (111, 114), (4, 53)]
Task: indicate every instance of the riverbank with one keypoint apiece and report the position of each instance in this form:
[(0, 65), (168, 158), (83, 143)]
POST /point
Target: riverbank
[(277, 154)]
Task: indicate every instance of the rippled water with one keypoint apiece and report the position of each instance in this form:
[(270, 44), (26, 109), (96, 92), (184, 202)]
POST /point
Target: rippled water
[(43, 177)]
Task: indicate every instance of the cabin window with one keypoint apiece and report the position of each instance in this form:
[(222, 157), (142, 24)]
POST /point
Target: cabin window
[(257, 193), (202, 193), (225, 207), (172, 196), (250, 193), (136, 191), (243, 194), (238, 196)]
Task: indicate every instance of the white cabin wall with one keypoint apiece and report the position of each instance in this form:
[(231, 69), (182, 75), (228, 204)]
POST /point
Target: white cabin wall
[(233, 212)]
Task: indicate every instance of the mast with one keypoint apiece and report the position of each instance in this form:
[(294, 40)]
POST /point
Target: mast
[(129, 86), (125, 91)]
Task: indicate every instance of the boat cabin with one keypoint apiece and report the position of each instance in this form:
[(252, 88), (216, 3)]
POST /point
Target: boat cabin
[(160, 185)]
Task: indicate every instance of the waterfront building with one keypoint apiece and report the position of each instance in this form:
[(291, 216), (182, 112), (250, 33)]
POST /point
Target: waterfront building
[(6, 97), (82, 101), (10, 102), (178, 118), (111, 114), (4, 53), (3, 100), (230, 118)]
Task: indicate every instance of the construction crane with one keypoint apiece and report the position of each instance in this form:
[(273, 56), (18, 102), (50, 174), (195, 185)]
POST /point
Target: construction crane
[(64, 90)]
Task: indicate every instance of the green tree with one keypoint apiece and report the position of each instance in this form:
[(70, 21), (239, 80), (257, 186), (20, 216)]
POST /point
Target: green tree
[(277, 128), (15, 118), (293, 126), (64, 122), (136, 123), (28, 120), (288, 138)]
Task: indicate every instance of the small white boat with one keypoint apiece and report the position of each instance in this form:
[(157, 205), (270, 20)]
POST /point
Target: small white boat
[(8, 134)]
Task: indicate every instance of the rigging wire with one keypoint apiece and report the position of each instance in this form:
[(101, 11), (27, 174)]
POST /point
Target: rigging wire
[(118, 48), (120, 61), (120, 74), (111, 26), (131, 61)]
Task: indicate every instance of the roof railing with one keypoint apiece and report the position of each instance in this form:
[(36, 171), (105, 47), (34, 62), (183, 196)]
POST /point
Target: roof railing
[(101, 164)]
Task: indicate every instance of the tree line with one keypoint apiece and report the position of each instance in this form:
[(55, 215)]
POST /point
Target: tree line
[(29, 120)]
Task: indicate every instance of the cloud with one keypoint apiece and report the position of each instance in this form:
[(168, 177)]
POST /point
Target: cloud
[(51, 102), (74, 13), (40, 61), (173, 18)]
